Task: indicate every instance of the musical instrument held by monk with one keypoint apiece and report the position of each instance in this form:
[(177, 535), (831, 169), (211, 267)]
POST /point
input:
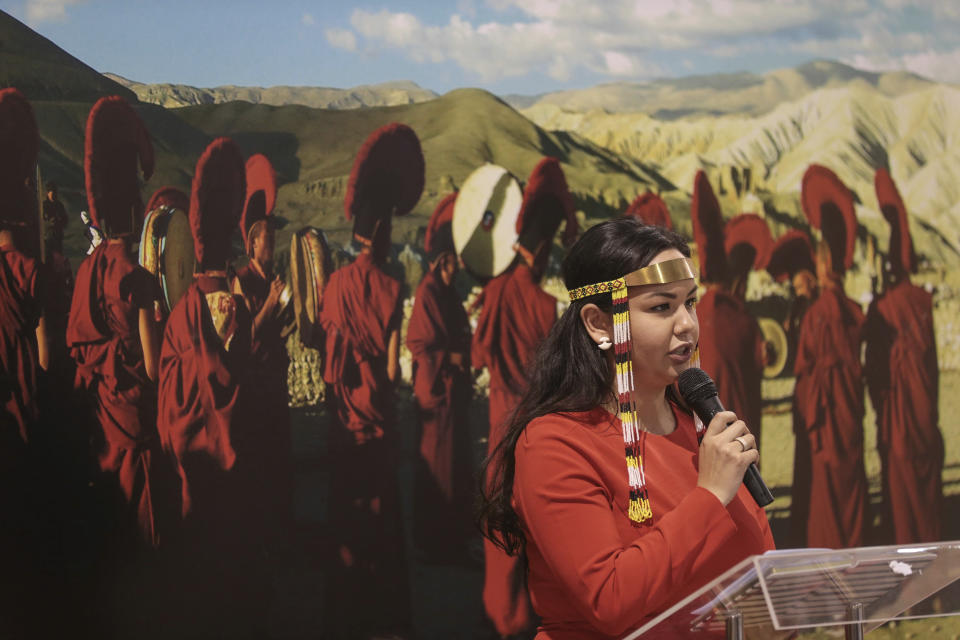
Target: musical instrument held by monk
[(777, 347), (310, 269), (166, 251), (485, 221)]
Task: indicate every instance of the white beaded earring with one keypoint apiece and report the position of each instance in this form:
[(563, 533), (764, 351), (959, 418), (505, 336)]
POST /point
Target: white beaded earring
[(604, 343)]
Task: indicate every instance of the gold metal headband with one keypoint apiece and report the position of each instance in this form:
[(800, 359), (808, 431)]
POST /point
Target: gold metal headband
[(659, 273)]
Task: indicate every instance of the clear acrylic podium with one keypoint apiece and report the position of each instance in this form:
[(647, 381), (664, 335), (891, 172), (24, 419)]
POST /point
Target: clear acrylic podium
[(783, 593)]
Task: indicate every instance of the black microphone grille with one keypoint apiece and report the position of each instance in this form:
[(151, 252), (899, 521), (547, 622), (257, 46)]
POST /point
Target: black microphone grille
[(695, 385)]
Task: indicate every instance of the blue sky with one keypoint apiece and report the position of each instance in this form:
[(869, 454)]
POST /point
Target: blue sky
[(505, 46)]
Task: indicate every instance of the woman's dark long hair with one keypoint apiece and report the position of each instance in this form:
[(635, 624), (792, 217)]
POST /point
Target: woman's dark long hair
[(568, 371)]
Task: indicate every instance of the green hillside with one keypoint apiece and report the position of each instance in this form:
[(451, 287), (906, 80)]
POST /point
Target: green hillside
[(44, 71), (313, 151)]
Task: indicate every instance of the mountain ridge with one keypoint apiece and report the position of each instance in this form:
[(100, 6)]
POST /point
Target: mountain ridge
[(724, 93), (173, 95)]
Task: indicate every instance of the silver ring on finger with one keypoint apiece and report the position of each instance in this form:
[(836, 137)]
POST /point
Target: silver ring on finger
[(744, 444)]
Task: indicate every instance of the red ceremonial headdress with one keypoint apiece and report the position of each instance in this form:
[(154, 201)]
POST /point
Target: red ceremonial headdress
[(261, 194), (168, 197), (216, 202), (828, 205), (649, 208), (546, 203), (902, 257), (707, 219), (747, 242), (791, 253), (387, 178), (116, 140), (19, 144), (439, 238)]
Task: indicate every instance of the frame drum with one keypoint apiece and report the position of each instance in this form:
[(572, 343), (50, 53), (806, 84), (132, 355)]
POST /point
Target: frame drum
[(166, 251), (777, 347), (310, 268), (485, 221)]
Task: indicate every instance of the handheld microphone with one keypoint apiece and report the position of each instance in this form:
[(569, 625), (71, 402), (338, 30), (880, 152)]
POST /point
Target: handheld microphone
[(700, 394)]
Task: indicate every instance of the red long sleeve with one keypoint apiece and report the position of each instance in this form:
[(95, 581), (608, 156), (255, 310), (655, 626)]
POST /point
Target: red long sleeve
[(591, 570)]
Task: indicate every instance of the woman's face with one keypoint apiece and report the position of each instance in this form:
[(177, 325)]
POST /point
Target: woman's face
[(664, 328)]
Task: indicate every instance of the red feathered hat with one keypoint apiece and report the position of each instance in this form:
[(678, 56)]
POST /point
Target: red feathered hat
[(19, 143), (546, 203), (116, 140), (168, 197), (650, 209), (902, 257), (747, 242), (828, 205), (261, 194), (216, 202), (707, 219), (387, 177), (439, 238), (791, 253)]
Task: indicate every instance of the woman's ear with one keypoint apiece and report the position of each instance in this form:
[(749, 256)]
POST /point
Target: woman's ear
[(598, 324)]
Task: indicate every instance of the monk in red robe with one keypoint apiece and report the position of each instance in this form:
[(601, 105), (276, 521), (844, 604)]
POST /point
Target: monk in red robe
[(262, 291), (731, 343), (516, 315), (438, 337), (828, 395), (204, 419), (792, 259), (113, 328), (206, 343), (23, 338), (361, 315), (903, 379), (23, 352)]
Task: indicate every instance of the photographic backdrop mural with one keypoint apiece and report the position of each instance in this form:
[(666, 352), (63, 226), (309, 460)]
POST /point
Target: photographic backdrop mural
[(293, 452)]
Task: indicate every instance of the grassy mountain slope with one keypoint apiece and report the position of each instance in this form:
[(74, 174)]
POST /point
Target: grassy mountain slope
[(314, 150), (44, 71)]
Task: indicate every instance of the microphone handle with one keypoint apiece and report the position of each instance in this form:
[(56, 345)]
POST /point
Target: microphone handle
[(710, 407)]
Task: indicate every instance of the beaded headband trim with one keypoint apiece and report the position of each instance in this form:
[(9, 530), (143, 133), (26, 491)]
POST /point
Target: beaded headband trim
[(634, 435), (659, 273)]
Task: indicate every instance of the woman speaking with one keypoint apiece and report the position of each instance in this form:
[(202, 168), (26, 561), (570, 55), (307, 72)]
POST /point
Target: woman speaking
[(602, 481)]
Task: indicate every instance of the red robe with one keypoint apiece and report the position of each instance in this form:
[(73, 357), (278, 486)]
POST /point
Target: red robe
[(20, 311), (828, 417), (593, 572), (21, 306), (516, 316), (368, 590), (221, 583), (903, 379), (103, 335), (269, 401), (361, 307), (201, 413), (438, 327), (731, 352)]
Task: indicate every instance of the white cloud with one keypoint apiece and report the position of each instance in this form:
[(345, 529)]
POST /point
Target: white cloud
[(48, 10), (617, 63), (307, 20), (617, 38), (341, 39), (938, 65)]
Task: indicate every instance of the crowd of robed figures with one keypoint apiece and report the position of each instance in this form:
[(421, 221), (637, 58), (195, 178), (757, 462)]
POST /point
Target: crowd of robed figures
[(190, 406)]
